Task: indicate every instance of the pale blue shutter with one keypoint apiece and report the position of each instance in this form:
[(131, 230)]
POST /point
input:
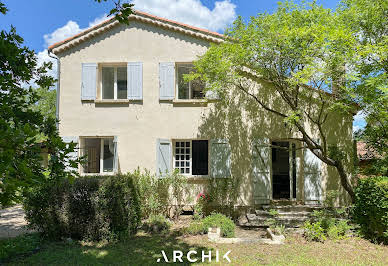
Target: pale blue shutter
[(116, 155), (261, 174), (89, 81), (135, 80), (72, 155), (312, 178), (163, 157), (220, 158), (166, 81)]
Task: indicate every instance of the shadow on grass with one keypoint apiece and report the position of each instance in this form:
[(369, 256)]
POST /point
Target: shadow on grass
[(143, 249)]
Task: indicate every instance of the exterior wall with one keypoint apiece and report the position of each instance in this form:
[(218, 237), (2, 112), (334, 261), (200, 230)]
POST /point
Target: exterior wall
[(138, 125)]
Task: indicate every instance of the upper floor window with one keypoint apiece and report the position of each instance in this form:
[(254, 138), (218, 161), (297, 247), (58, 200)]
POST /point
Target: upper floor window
[(188, 90), (114, 82)]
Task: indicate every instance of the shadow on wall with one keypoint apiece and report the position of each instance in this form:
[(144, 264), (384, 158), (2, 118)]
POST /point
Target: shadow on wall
[(241, 120)]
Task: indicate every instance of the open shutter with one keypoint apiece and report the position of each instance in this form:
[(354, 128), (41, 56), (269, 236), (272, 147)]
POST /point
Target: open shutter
[(89, 81), (312, 178), (163, 157), (166, 81), (72, 155), (116, 155), (261, 165), (220, 158), (135, 80)]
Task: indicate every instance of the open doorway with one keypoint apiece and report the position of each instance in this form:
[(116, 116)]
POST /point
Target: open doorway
[(281, 170)]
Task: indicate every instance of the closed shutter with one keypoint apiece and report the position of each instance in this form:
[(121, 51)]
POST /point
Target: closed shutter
[(116, 155), (89, 81), (312, 177), (163, 157), (166, 81), (261, 165), (72, 155), (135, 80), (220, 158)]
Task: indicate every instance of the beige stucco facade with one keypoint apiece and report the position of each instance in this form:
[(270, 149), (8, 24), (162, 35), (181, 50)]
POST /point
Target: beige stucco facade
[(139, 124)]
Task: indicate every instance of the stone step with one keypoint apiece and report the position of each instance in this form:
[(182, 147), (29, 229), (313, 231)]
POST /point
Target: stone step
[(289, 208), (283, 213), (288, 221)]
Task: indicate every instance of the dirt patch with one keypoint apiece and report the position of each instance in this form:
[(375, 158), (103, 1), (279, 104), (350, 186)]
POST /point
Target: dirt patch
[(12, 222)]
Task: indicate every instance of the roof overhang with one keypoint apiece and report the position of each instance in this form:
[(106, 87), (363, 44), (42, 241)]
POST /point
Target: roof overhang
[(87, 34)]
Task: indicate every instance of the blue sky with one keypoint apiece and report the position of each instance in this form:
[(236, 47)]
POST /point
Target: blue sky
[(44, 22)]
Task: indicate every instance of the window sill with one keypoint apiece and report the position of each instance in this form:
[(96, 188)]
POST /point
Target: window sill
[(112, 101), (197, 176), (98, 174), (178, 101)]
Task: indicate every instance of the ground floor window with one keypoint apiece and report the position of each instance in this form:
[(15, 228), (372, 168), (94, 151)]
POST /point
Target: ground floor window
[(99, 155), (191, 157)]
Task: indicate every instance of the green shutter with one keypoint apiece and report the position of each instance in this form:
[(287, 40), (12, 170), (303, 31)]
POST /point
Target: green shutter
[(163, 157), (220, 161), (312, 177), (261, 174)]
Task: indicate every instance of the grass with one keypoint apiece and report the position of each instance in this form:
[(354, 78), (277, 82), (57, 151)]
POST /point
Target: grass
[(145, 249)]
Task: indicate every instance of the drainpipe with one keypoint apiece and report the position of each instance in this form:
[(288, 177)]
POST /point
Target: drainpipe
[(50, 54)]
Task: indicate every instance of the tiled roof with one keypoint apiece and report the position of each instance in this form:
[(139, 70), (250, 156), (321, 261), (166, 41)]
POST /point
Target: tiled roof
[(141, 16)]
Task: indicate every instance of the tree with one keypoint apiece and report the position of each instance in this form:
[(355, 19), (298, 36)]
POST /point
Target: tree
[(46, 104), (306, 54), (21, 125), (121, 11), (368, 20)]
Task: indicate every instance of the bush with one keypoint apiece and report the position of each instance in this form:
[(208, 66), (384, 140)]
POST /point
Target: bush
[(370, 209), (92, 208), (157, 223), (314, 231), (219, 220), (195, 228)]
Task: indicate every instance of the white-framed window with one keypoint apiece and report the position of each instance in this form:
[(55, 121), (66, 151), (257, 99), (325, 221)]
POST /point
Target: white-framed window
[(188, 90), (99, 155), (191, 157), (113, 82)]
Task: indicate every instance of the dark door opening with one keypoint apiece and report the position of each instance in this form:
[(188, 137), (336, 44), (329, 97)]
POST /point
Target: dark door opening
[(280, 170)]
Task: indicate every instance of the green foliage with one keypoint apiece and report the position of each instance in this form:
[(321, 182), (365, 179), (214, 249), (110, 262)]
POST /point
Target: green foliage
[(21, 125), (46, 104), (226, 225), (19, 246), (121, 11), (88, 208), (274, 224), (370, 209), (314, 231), (157, 223), (219, 220), (222, 192), (157, 194)]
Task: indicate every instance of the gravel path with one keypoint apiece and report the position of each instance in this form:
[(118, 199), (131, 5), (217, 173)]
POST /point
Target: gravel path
[(12, 222)]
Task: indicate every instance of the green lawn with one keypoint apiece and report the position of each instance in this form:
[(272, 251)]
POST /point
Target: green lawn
[(145, 249)]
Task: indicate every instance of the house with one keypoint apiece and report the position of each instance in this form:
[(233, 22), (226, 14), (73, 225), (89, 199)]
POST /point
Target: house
[(123, 99)]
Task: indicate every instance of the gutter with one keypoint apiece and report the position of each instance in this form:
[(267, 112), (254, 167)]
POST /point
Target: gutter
[(50, 54)]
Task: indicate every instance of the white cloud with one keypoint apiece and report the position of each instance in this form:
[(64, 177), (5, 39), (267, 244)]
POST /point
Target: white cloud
[(191, 12), (71, 28), (98, 20)]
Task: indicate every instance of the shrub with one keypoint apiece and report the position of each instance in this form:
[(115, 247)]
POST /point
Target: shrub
[(157, 223), (195, 228), (314, 231), (370, 209), (92, 208), (219, 220)]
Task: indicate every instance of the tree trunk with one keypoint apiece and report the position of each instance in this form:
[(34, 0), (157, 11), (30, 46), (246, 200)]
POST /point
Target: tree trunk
[(344, 180)]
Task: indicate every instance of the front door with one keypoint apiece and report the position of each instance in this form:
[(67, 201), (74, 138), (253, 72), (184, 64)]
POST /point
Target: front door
[(281, 182)]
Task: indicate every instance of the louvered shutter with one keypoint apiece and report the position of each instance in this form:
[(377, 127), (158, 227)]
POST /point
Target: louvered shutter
[(163, 157), (89, 81), (135, 80), (261, 165), (312, 178), (166, 81), (220, 161), (116, 155)]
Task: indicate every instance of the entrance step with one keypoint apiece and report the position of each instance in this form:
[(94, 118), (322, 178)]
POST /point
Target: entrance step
[(289, 216)]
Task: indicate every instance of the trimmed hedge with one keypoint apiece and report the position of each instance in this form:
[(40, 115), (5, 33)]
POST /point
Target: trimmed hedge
[(370, 209), (92, 208)]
